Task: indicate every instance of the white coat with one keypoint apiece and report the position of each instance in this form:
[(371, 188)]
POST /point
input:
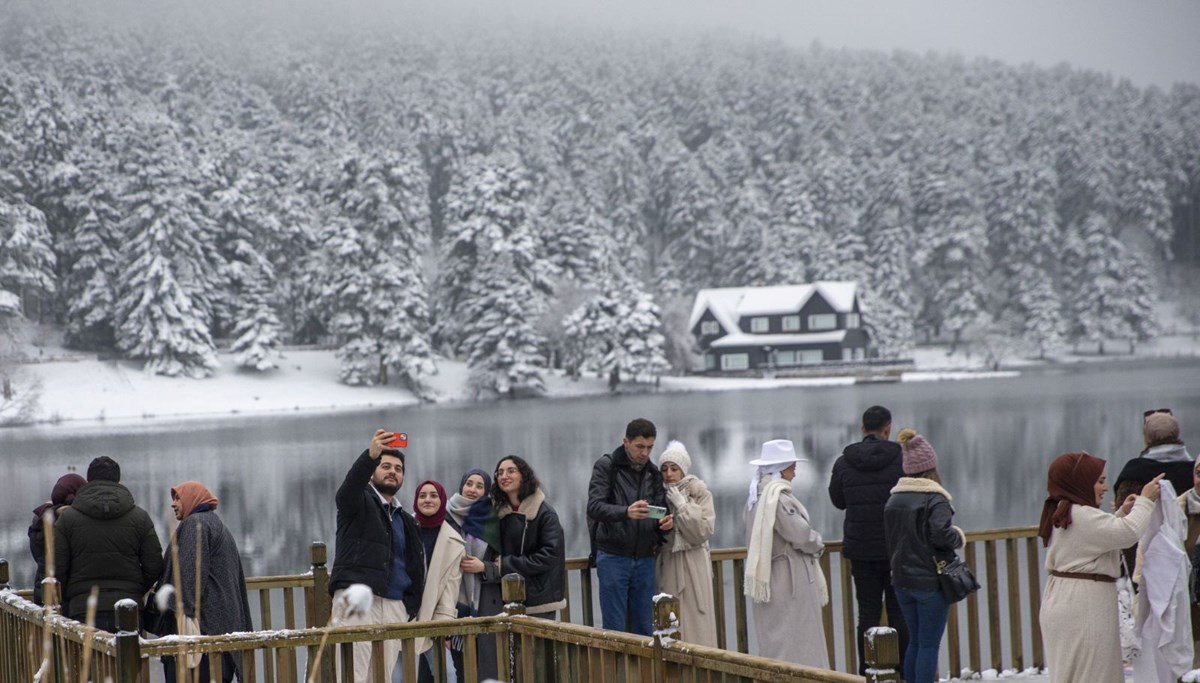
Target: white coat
[(440, 599)]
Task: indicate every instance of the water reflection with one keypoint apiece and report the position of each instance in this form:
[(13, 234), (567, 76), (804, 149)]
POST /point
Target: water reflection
[(276, 476)]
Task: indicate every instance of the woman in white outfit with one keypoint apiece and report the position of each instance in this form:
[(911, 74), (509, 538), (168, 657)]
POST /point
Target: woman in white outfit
[(684, 565), (783, 577), (1079, 604)]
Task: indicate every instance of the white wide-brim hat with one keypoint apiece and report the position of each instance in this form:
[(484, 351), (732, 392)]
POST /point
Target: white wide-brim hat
[(777, 452)]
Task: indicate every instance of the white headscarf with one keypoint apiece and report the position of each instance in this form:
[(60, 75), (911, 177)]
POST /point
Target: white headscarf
[(774, 471)]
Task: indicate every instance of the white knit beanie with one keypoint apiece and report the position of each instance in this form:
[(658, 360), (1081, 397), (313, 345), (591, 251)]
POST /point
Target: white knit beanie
[(677, 454)]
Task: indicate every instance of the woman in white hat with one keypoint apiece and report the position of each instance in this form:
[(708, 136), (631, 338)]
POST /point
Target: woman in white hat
[(684, 566), (782, 575)]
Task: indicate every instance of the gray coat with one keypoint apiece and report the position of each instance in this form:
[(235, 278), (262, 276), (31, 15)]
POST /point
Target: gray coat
[(224, 607), (789, 626)]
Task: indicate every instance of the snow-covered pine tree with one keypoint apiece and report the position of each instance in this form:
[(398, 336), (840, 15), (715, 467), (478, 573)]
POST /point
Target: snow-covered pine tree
[(26, 253), (887, 298), (167, 270), (493, 278), (618, 333), (1108, 287), (374, 287)]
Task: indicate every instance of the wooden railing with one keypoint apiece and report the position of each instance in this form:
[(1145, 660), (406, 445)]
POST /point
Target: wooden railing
[(996, 628)]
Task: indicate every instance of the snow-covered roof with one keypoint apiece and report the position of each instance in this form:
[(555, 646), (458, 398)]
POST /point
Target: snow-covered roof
[(744, 339), (730, 304)]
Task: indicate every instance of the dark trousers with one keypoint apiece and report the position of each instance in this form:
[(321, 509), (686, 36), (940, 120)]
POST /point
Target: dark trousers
[(872, 584)]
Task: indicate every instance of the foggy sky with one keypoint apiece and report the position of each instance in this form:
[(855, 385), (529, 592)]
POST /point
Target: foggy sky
[(1151, 42)]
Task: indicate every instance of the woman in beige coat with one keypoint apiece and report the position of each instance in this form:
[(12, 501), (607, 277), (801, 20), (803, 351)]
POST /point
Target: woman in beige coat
[(444, 550), (684, 568), (1079, 603), (783, 577)]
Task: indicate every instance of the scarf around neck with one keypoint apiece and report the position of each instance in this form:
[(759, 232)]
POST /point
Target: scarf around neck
[(762, 538)]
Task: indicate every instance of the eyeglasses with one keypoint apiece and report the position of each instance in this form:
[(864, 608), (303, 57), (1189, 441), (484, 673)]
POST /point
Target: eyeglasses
[(1148, 413)]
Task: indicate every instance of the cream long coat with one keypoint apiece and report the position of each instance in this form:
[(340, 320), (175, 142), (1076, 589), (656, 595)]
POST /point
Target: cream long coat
[(1079, 617), (442, 579), (789, 626), (684, 566)]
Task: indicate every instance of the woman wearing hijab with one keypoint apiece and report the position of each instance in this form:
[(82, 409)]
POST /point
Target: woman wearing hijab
[(1079, 604), (684, 566), (223, 607), (61, 496), (444, 550), (782, 575), (479, 595), (918, 528)]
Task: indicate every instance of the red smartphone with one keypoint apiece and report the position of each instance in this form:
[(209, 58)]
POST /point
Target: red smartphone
[(399, 440)]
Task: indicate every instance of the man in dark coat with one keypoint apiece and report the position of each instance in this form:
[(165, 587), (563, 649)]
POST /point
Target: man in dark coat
[(860, 484), (625, 535), (378, 545), (223, 606), (105, 540)]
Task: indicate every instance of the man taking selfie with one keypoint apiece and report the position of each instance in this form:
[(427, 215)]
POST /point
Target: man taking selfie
[(379, 545)]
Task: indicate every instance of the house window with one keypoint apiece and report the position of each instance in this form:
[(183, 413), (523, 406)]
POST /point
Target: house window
[(860, 353), (710, 327), (785, 358), (760, 324), (735, 361), (822, 321), (710, 361), (847, 353), (852, 321), (810, 356), (791, 323)]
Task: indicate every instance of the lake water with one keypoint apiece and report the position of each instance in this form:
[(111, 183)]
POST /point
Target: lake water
[(276, 475)]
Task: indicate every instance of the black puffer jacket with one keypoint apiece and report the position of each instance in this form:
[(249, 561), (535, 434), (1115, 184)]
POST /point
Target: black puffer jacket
[(364, 539), (917, 523), (532, 545), (615, 485), (861, 483), (105, 540)]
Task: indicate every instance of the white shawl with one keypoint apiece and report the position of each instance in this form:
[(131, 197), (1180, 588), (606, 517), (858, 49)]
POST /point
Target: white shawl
[(1162, 613), (762, 539)]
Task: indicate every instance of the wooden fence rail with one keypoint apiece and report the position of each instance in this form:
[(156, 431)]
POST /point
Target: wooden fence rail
[(995, 628)]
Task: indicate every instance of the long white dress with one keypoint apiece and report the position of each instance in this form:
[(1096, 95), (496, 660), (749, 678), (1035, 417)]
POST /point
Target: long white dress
[(1078, 616)]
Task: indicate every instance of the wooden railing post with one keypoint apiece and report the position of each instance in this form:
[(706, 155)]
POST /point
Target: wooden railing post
[(512, 592), (129, 654), (320, 607), (666, 626), (881, 654), (3, 574)]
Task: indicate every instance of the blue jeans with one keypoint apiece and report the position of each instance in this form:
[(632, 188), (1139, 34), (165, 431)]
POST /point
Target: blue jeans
[(925, 612), (626, 592)]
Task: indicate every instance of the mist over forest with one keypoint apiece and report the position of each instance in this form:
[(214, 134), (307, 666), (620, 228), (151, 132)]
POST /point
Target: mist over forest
[(176, 180)]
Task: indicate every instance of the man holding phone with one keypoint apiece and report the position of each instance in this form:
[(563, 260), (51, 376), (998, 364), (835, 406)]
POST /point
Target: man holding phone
[(627, 518), (379, 545)]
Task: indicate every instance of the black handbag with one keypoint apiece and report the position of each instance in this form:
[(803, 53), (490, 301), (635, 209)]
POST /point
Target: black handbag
[(955, 579)]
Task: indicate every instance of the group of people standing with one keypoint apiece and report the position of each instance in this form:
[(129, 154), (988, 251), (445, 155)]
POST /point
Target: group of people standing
[(649, 527), (104, 542)]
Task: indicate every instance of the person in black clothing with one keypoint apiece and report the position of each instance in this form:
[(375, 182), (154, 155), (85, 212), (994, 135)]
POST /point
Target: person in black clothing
[(61, 497), (625, 537), (1164, 453), (861, 483), (379, 545)]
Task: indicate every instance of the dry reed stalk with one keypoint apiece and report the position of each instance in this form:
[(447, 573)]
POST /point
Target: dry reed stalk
[(199, 582), (88, 629), (177, 579), (48, 611)]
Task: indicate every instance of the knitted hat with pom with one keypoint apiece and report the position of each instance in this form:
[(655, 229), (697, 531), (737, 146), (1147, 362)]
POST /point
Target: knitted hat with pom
[(918, 454), (677, 454)]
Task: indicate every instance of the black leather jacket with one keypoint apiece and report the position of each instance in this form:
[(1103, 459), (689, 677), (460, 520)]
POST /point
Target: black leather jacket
[(917, 523), (615, 485), (364, 539), (533, 546)]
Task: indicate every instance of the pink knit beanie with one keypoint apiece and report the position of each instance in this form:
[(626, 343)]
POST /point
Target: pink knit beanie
[(918, 454)]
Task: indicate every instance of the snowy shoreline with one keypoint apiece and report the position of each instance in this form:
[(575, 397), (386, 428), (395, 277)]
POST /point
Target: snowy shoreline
[(86, 390)]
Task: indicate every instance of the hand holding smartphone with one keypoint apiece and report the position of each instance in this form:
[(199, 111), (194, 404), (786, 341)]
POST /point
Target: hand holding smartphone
[(656, 512), (398, 440)]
